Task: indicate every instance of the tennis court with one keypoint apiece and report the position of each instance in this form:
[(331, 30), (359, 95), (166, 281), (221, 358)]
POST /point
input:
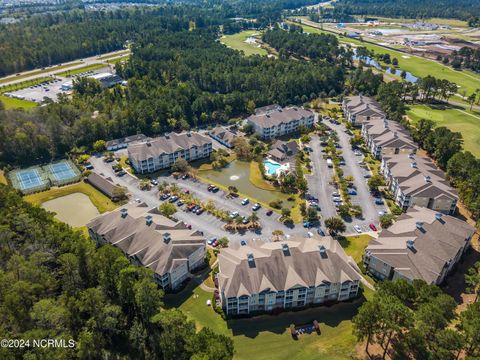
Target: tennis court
[(63, 172), (29, 180)]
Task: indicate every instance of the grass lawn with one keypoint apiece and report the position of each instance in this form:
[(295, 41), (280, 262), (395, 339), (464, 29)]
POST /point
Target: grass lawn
[(124, 52), (237, 42), (11, 103), (355, 245), (418, 66), (456, 119), (38, 72), (257, 179), (267, 336), (101, 202), (81, 70), (119, 59)]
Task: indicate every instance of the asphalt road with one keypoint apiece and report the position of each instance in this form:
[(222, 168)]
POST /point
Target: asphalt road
[(363, 197), (318, 180), (13, 79)]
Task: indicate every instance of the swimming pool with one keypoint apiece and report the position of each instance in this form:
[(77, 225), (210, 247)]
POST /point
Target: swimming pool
[(271, 167)]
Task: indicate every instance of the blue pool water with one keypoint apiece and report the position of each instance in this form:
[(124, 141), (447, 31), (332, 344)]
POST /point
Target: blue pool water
[(271, 167)]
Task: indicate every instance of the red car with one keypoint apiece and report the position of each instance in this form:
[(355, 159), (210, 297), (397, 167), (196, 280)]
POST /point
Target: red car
[(373, 227), (269, 212)]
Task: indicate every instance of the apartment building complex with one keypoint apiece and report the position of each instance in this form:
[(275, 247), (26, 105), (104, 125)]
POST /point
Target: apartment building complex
[(149, 239), (223, 136), (415, 180), (387, 138), (358, 109), (162, 152), (421, 244), (411, 178), (273, 121), (264, 276)]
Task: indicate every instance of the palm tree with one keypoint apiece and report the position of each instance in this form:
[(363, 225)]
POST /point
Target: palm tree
[(253, 218)]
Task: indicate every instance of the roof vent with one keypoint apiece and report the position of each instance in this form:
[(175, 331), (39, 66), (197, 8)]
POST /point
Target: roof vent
[(413, 165), (166, 237), (419, 225), (124, 212), (428, 179), (148, 220), (438, 216), (411, 244)]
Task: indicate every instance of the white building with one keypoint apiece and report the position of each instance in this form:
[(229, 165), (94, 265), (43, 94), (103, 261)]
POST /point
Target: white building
[(162, 152), (263, 276), (275, 121), (421, 244), (149, 239)]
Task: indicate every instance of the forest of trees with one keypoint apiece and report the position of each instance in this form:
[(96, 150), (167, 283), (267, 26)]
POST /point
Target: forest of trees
[(294, 42), (414, 321), (416, 9), (464, 58), (57, 284), (175, 81)]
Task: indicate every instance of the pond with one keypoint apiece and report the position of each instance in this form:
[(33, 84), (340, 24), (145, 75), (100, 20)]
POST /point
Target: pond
[(237, 174), (372, 62), (74, 209)]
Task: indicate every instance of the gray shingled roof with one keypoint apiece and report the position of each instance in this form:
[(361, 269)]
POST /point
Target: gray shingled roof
[(224, 134), (273, 269), (135, 237), (435, 244), (411, 173), (279, 116), (166, 144)]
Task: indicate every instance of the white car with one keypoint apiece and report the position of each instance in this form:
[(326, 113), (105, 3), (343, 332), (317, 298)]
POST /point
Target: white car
[(234, 214), (357, 228)]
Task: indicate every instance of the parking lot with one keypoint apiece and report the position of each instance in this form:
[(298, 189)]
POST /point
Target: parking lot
[(37, 93), (354, 167), (209, 224)]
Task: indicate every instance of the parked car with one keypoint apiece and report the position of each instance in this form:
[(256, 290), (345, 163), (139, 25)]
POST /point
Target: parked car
[(243, 242), (164, 196), (186, 191), (269, 212), (367, 176), (199, 211), (373, 227), (320, 231), (215, 189), (121, 173), (173, 199), (352, 192), (357, 228), (185, 176), (256, 206), (108, 159), (306, 224), (378, 201), (342, 163), (211, 240), (215, 243), (244, 220), (154, 182), (89, 167), (191, 207), (245, 201), (210, 187), (180, 202), (233, 214)]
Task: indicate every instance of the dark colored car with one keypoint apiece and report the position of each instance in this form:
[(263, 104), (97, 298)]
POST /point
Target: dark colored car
[(269, 212)]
